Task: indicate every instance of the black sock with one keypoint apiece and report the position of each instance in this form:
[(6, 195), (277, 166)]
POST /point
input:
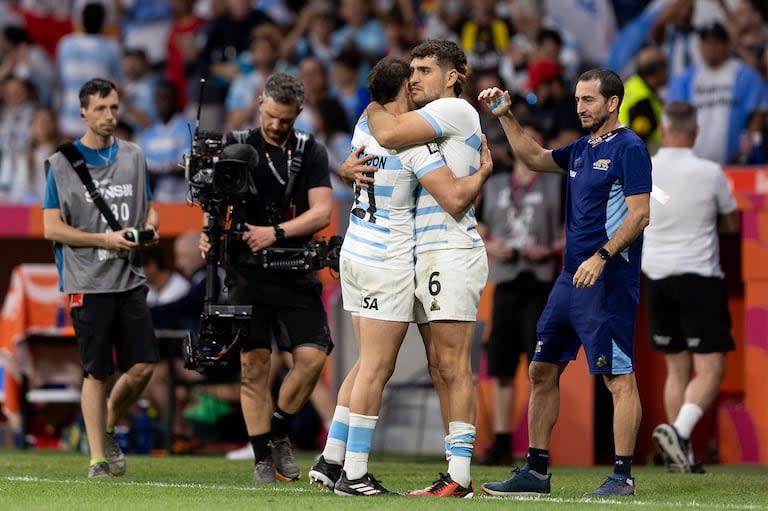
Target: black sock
[(260, 444), (538, 460), (280, 421), (502, 442), (622, 465)]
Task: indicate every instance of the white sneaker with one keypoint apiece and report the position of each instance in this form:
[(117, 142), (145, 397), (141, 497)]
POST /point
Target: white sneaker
[(243, 453)]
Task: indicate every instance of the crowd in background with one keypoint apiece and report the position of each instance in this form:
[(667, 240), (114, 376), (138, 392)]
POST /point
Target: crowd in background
[(158, 50)]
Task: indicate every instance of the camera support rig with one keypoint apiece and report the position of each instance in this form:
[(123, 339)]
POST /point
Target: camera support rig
[(221, 325)]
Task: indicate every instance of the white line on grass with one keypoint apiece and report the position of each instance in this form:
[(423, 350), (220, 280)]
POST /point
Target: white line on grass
[(629, 501), (157, 484), (301, 489)]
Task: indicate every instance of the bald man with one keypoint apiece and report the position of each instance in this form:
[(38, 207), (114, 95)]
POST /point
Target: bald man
[(641, 108)]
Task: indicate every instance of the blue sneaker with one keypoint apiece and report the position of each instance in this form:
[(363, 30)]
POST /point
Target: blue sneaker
[(524, 482), (614, 486)]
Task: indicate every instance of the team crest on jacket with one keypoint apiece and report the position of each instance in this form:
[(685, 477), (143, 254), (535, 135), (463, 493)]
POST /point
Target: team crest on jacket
[(601, 164)]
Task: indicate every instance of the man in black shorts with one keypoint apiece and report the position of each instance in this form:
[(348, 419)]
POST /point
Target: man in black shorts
[(106, 287), (293, 203), (685, 293)]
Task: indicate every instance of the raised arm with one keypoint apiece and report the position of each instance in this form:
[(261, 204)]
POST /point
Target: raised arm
[(528, 150), (453, 194), (396, 131)]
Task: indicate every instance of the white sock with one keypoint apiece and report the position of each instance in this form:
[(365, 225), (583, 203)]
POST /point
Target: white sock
[(336, 443), (359, 444), (462, 441), (687, 418)]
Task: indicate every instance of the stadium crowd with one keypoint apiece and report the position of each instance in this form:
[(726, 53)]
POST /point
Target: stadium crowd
[(157, 51)]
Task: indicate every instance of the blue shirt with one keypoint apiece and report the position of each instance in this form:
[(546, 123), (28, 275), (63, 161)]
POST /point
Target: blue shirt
[(600, 176)]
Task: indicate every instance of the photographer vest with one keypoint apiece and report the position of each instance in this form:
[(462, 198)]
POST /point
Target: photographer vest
[(123, 185)]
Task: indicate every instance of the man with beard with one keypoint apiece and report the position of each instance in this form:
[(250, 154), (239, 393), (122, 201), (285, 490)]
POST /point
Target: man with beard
[(594, 300)]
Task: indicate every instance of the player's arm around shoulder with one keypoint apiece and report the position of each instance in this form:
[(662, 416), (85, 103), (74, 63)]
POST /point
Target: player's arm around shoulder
[(395, 131), (453, 194)]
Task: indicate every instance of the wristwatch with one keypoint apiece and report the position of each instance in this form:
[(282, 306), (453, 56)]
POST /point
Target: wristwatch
[(279, 233), (604, 254)]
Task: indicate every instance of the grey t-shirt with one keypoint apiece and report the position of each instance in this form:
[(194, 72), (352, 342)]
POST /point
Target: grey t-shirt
[(523, 215), (123, 184)]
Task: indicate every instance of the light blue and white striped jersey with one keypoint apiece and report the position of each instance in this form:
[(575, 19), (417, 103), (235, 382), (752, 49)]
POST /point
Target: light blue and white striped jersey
[(381, 222), (457, 128), (164, 145), (80, 57)]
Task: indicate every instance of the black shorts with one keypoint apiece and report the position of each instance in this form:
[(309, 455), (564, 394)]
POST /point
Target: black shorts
[(517, 306), (287, 309), (114, 320), (688, 312)]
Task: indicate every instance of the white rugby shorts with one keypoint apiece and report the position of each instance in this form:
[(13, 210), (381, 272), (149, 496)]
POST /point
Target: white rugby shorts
[(449, 284), (376, 292)]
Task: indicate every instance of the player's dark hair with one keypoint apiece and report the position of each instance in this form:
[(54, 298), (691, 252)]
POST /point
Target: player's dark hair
[(94, 15), (610, 82), (386, 78), (448, 55)]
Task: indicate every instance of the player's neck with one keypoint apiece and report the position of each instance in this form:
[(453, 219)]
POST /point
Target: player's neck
[(93, 141), (607, 127)]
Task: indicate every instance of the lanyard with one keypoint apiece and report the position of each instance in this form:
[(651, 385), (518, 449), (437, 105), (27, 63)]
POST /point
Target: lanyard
[(274, 170), (602, 138)]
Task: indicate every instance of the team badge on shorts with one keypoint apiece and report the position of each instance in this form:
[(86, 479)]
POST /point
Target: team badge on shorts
[(601, 361), (435, 306), (75, 300)]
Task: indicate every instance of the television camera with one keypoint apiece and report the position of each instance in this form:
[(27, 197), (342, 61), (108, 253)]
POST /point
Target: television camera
[(221, 181)]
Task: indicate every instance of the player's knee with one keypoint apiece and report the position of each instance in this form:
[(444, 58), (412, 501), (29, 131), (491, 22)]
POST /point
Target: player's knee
[(542, 375)]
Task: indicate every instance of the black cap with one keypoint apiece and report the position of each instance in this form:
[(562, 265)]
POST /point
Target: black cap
[(713, 29)]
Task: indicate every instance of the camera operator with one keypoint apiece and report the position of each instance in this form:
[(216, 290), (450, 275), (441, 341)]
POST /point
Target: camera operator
[(292, 203)]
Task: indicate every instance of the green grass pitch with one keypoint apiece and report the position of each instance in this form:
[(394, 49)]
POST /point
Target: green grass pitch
[(49, 480)]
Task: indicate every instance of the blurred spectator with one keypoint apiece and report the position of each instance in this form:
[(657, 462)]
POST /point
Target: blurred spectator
[(165, 285), (444, 20), (749, 33), (491, 127), (641, 108), (730, 97), (332, 129), (400, 35), (138, 91), (227, 36), (484, 36), (27, 61), (536, 37), (185, 39), (673, 30), (345, 72), (314, 76), (80, 57), (592, 26), (44, 138), (260, 62), (311, 34), (552, 104), (165, 143), (15, 121), (361, 30), (146, 24)]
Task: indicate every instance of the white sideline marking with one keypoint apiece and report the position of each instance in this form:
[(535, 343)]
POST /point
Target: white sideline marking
[(192, 486), (625, 501), (629, 501)]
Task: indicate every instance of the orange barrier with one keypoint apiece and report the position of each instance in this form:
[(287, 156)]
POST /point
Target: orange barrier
[(32, 304)]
